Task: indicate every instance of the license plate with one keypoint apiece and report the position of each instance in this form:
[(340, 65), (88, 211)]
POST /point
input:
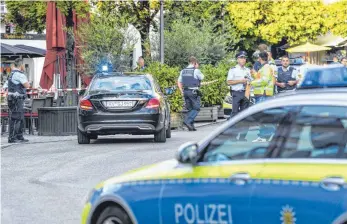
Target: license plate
[(119, 104)]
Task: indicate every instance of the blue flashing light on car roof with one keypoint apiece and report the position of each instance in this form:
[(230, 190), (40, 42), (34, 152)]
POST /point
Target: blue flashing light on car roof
[(324, 77), (105, 68)]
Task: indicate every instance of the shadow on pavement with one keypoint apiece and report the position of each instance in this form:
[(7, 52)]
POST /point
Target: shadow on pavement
[(116, 139)]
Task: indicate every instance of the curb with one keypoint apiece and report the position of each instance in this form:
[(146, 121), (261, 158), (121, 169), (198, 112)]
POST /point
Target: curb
[(3, 146), (210, 123)]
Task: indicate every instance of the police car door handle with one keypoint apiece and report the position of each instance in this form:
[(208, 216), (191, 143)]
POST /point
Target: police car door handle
[(332, 183), (240, 178)]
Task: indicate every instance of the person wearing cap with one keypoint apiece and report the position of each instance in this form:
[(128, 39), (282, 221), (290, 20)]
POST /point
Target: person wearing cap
[(189, 83), (237, 79), (263, 83), (17, 85)]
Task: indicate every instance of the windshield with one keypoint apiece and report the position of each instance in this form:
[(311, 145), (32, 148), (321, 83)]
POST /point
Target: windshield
[(121, 83)]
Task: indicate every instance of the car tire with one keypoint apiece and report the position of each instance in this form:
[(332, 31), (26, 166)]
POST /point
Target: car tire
[(160, 136), (82, 138), (168, 131), (93, 137), (115, 215)]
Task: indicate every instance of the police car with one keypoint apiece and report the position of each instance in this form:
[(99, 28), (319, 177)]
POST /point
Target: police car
[(298, 175)]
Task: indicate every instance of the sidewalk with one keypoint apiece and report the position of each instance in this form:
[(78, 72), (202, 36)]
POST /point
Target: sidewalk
[(34, 139)]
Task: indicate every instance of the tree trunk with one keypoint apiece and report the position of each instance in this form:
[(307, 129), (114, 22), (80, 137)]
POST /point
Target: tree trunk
[(144, 29), (71, 96)]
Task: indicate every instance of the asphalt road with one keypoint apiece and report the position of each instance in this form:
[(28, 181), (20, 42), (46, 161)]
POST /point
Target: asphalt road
[(48, 182)]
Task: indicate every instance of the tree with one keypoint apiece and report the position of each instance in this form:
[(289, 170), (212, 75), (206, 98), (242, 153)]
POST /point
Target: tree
[(184, 39), (337, 21), (141, 14), (18, 13), (105, 40), (26, 15), (295, 21)]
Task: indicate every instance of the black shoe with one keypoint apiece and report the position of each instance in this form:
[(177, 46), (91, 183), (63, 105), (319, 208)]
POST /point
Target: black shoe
[(190, 128), (192, 124)]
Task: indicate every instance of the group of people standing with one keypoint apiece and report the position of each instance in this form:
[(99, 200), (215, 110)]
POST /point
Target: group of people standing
[(264, 78)]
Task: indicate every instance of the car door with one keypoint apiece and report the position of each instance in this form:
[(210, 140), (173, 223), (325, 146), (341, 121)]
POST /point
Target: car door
[(218, 188), (306, 180)]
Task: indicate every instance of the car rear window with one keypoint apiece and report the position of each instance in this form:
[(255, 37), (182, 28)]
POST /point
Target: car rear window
[(121, 83)]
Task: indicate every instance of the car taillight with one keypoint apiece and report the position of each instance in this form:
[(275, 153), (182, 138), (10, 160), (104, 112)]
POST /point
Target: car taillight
[(85, 104), (153, 103)]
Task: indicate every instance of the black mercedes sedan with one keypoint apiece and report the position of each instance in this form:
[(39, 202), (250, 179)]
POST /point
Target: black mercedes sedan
[(123, 103)]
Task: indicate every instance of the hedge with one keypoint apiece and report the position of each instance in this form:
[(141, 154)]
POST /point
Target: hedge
[(213, 94)]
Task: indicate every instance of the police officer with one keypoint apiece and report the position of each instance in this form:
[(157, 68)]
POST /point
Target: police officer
[(17, 84), (189, 83), (238, 77), (287, 77), (344, 61)]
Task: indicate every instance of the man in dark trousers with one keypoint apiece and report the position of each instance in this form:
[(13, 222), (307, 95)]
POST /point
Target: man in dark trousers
[(17, 85), (189, 83), (287, 77), (238, 77)]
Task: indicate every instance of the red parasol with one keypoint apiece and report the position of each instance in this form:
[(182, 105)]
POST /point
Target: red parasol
[(55, 43)]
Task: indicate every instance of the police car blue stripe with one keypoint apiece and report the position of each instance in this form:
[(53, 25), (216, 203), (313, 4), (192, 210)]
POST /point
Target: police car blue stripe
[(223, 181)]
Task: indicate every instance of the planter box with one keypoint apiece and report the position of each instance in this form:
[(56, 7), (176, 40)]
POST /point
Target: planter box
[(176, 120), (207, 114), (57, 121), (221, 112)]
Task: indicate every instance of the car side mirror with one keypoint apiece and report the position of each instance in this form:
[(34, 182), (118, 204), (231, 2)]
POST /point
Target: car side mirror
[(187, 152), (81, 92), (169, 91)]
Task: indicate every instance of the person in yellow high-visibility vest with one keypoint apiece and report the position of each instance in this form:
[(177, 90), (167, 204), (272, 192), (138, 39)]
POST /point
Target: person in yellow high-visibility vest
[(264, 79), (263, 88)]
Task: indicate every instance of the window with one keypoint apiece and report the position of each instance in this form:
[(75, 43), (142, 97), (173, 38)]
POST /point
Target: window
[(241, 141), (318, 132), (120, 83)]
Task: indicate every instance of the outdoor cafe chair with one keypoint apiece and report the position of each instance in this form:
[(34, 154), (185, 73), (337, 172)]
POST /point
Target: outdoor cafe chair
[(36, 103), (49, 101)]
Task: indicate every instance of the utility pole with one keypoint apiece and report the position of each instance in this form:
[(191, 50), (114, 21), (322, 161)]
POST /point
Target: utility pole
[(162, 31)]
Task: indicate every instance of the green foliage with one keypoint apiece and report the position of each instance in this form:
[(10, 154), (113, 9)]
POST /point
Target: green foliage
[(105, 40), (31, 15), (185, 38), (81, 7), (295, 21), (26, 15), (138, 13), (214, 94), (337, 18), (167, 77)]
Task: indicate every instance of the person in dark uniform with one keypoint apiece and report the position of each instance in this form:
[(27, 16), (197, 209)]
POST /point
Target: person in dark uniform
[(287, 77), (17, 84), (189, 83), (238, 77)]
